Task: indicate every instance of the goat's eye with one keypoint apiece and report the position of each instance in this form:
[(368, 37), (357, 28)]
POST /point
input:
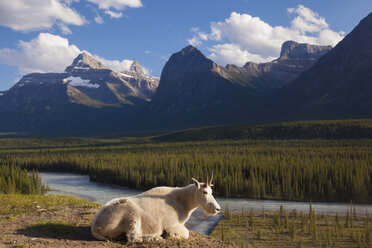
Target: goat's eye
[(205, 192)]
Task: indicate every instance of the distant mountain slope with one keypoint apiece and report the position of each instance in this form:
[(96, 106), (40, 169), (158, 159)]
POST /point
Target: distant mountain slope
[(191, 81), (336, 129), (267, 78), (145, 84), (339, 85), (195, 91), (86, 96)]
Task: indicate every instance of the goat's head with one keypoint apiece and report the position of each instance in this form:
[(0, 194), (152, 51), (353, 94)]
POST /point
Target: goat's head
[(203, 196)]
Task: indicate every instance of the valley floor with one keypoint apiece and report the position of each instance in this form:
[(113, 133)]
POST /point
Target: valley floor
[(64, 221)]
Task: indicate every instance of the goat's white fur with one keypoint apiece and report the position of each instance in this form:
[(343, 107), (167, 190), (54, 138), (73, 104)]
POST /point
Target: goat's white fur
[(154, 213)]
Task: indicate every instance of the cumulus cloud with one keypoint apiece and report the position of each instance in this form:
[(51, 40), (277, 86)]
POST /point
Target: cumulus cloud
[(115, 65), (198, 39), (28, 15), (64, 28), (35, 15), (98, 19), (51, 53), (307, 20), (117, 4), (244, 37), (45, 53), (195, 41), (113, 14), (233, 54)]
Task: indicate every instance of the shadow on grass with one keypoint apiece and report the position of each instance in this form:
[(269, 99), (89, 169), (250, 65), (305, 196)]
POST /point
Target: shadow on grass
[(57, 230)]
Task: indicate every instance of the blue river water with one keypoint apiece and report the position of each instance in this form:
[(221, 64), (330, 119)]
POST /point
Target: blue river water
[(81, 186)]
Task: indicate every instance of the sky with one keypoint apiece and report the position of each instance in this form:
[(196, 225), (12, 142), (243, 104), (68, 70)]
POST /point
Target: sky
[(46, 35)]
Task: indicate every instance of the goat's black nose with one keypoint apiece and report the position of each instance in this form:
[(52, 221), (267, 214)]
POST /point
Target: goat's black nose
[(217, 209)]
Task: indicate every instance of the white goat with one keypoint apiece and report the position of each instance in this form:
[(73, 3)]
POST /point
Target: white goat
[(154, 214)]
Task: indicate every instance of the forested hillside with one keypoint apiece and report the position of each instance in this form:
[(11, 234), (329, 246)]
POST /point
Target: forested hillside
[(335, 129), (318, 170)]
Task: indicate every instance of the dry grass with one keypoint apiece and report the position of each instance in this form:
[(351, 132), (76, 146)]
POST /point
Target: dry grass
[(261, 230)]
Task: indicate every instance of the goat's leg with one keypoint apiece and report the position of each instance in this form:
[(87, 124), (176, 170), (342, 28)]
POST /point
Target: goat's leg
[(179, 231), (134, 233)]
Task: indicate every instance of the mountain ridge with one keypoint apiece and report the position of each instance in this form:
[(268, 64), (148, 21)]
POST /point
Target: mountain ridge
[(306, 82), (338, 85)]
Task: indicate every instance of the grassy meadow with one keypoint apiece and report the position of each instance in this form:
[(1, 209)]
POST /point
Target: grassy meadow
[(282, 228)]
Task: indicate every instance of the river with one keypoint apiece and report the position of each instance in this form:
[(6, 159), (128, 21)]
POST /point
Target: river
[(81, 186)]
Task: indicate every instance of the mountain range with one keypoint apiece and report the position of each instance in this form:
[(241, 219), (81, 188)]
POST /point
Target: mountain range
[(305, 82)]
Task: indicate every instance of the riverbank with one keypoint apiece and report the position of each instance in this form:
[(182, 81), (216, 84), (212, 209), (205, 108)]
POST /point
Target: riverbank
[(64, 221)]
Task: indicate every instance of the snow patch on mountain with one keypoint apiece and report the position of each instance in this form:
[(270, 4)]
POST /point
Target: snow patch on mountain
[(78, 81), (124, 75)]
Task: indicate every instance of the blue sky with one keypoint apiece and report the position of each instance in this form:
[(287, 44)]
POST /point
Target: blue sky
[(45, 35)]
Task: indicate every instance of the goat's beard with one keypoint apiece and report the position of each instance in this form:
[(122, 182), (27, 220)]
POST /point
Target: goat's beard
[(208, 211)]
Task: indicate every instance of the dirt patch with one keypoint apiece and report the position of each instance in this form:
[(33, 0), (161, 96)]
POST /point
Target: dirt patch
[(70, 227)]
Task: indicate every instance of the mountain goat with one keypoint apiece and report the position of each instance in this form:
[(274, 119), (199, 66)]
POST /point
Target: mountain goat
[(158, 212)]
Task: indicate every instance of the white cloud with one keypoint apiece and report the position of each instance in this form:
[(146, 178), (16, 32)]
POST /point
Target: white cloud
[(242, 36), (45, 53), (198, 39), (117, 4), (64, 28), (28, 15), (115, 65), (307, 20), (113, 14), (195, 41), (35, 15), (194, 29), (98, 19), (51, 53), (232, 54)]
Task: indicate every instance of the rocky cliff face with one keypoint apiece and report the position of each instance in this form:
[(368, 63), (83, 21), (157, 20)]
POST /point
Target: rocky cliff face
[(266, 78), (190, 81), (298, 51), (145, 84), (84, 62), (339, 85)]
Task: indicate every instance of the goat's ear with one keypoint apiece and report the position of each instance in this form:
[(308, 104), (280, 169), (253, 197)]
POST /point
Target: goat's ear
[(196, 182)]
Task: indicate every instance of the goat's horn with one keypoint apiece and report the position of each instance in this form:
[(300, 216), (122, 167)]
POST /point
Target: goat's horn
[(210, 182), (207, 181)]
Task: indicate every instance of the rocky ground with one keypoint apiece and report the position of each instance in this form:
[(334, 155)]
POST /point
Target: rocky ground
[(68, 226)]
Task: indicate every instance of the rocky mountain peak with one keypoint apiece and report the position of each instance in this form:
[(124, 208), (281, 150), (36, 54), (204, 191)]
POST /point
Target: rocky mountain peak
[(84, 62), (137, 68), (189, 49), (293, 50), (189, 59)]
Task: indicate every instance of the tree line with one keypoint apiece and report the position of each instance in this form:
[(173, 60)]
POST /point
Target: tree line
[(317, 170), (15, 180)]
